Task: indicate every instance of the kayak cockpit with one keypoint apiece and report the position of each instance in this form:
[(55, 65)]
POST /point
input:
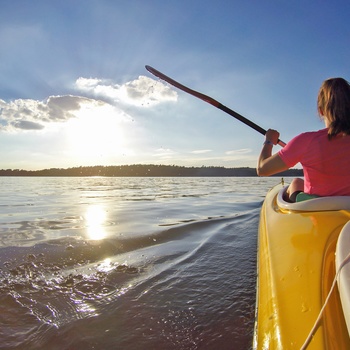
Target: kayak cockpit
[(315, 204)]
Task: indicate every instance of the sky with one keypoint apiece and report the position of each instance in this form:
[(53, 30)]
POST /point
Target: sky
[(74, 90)]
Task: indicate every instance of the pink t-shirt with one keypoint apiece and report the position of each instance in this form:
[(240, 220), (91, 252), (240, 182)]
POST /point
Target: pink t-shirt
[(326, 163)]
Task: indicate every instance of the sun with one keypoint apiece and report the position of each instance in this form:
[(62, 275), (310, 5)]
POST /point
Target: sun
[(97, 132)]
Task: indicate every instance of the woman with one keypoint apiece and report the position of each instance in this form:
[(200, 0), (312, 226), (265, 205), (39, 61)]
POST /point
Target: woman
[(324, 154)]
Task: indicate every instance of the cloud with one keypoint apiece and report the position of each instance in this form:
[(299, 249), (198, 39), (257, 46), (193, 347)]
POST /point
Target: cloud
[(208, 156), (27, 125), (202, 151), (205, 157), (141, 92), (63, 107), (164, 153), (27, 114), (238, 151)]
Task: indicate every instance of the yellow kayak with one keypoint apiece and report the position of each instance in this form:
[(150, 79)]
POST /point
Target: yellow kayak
[(296, 269)]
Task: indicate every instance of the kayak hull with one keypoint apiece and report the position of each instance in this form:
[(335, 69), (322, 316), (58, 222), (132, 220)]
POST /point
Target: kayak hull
[(296, 268)]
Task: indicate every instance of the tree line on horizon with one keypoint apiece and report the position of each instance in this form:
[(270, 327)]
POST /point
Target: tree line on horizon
[(144, 170)]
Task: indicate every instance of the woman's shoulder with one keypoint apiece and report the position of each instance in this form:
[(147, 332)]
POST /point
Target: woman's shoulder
[(321, 132), (309, 135), (305, 139), (312, 135)]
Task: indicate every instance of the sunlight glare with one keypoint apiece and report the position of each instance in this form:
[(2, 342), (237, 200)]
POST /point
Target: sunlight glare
[(95, 217), (97, 131), (106, 265)]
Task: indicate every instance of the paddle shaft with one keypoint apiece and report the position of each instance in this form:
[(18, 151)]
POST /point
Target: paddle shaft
[(211, 101)]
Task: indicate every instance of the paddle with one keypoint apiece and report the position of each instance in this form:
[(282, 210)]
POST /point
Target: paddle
[(211, 101)]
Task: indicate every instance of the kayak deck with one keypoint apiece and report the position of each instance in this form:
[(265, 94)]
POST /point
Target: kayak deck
[(296, 268)]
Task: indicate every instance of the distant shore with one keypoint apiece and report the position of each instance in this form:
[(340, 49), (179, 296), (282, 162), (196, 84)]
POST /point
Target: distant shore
[(142, 170)]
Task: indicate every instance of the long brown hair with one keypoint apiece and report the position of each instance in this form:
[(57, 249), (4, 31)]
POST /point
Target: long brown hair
[(333, 103)]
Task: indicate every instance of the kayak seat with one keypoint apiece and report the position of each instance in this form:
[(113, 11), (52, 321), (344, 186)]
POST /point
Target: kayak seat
[(342, 262), (315, 204)]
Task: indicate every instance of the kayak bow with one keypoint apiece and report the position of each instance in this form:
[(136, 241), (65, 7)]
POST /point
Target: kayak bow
[(296, 268)]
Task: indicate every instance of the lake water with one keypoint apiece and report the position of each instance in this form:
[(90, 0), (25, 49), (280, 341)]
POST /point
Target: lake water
[(128, 263)]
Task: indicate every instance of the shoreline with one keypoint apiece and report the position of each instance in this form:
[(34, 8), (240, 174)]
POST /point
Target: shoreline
[(148, 170)]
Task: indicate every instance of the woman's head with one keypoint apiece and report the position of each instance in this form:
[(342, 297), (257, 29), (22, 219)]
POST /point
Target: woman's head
[(333, 104)]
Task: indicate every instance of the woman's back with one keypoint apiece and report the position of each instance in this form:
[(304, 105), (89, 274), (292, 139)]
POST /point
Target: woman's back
[(326, 164)]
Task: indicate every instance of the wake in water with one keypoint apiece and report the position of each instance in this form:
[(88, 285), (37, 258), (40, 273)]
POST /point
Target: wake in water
[(181, 281), (54, 284)]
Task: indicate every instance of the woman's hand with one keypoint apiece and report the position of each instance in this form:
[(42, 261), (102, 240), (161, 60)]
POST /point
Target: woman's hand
[(272, 136), (269, 164)]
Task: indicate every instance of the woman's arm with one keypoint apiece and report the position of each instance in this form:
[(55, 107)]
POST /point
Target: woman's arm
[(269, 164)]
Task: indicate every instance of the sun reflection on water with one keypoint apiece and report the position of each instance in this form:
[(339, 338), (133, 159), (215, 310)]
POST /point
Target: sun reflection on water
[(95, 217), (106, 265)]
